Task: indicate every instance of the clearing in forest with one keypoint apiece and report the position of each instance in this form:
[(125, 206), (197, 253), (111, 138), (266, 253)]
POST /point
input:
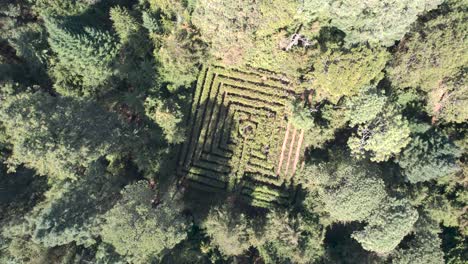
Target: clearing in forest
[(240, 138)]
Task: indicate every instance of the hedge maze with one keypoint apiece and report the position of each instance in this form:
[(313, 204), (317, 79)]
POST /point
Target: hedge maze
[(240, 139)]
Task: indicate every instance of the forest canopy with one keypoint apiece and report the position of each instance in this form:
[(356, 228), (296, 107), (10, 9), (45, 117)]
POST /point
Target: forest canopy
[(233, 131)]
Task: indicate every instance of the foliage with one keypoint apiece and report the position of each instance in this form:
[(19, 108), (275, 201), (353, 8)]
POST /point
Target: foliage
[(350, 190), (139, 231), (58, 137), (228, 231), (84, 58), (178, 47), (365, 107), (63, 7), (286, 238), (382, 138), (338, 73), (387, 226), (124, 24), (334, 131), (302, 117), (433, 52), (429, 157), (73, 213), (371, 21), (433, 59), (425, 247), (231, 26), (449, 101), (168, 116)]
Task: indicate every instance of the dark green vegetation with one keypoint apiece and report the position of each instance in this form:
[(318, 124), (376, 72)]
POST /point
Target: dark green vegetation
[(233, 131)]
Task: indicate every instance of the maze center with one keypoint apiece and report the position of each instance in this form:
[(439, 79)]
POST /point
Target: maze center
[(240, 139)]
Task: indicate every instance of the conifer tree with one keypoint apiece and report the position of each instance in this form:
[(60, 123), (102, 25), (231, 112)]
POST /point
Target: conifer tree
[(428, 157), (141, 227), (84, 58), (59, 137)]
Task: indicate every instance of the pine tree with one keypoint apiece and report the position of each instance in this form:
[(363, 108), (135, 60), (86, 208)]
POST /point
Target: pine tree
[(59, 137), (428, 157), (72, 211), (140, 227), (84, 58)]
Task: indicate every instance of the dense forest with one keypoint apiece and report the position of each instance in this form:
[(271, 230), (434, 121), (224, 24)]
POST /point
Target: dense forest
[(233, 131)]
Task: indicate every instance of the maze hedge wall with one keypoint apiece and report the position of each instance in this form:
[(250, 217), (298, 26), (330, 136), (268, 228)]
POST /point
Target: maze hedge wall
[(240, 139)]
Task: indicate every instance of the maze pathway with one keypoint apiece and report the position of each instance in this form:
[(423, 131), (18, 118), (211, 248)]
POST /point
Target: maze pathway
[(240, 139)]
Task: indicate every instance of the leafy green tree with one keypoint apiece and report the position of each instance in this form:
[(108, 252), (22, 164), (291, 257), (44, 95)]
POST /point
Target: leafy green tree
[(59, 137), (167, 114), (230, 27), (286, 238), (448, 102), (331, 120), (387, 226), (433, 58), (339, 73), (356, 197), (230, 232), (383, 137), (301, 117), (365, 106), (429, 157), (372, 21), (84, 58), (349, 190), (140, 231), (434, 51), (179, 51)]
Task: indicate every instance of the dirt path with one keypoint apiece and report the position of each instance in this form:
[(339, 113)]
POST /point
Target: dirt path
[(298, 151), (283, 148), (291, 148)]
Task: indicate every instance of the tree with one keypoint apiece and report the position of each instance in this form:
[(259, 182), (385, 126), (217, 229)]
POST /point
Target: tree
[(230, 232), (382, 137), (365, 106), (429, 157), (72, 211), (84, 58), (433, 52), (356, 197), (230, 27), (387, 226), (59, 137), (179, 51), (433, 58), (448, 101), (338, 73), (424, 248), (141, 229), (372, 21), (286, 238), (63, 7), (350, 190), (124, 24), (167, 114)]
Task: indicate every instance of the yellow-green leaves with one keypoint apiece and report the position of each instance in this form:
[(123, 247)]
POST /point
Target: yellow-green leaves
[(339, 73)]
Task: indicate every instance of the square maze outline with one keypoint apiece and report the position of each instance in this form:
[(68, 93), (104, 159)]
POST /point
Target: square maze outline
[(223, 98)]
